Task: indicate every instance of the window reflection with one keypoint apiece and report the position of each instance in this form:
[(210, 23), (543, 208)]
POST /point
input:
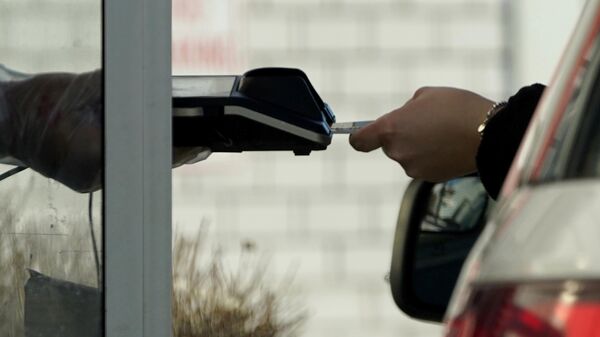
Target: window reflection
[(51, 124), (455, 206)]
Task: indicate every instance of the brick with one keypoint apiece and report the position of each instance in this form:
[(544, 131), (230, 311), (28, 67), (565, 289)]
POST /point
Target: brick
[(284, 3), (297, 171), (297, 216), (472, 34), (457, 3), (331, 34), (406, 33), (302, 263), (370, 79), (221, 169), (440, 73), (381, 3), (332, 304), (333, 218), (488, 81), (267, 34), (267, 218), (373, 168), (374, 261)]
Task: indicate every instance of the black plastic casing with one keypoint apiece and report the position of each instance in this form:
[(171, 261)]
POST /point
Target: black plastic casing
[(267, 109)]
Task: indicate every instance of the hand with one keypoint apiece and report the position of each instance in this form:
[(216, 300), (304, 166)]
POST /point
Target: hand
[(189, 155), (433, 136), (55, 127)]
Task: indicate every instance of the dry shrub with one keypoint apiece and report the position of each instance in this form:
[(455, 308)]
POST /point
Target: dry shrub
[(14, 275), (209, 301), (57, 246)]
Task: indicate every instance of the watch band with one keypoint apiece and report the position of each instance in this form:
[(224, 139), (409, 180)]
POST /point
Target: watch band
[(489, 115)]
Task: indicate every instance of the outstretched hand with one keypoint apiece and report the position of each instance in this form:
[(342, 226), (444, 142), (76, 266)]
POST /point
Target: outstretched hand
[(53, 123), (433, 136)]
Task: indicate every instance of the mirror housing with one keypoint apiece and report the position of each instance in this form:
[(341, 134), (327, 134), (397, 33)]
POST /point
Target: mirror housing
[(437, 226)]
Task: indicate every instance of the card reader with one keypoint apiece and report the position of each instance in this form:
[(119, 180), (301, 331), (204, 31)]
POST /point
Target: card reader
[(266, 109)]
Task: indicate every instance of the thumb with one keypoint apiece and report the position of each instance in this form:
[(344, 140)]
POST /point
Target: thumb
[(368, 138)]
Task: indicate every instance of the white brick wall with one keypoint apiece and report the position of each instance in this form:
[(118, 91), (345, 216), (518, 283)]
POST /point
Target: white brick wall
[(262, 35), (411, 32), (55, 36), (328, 217)]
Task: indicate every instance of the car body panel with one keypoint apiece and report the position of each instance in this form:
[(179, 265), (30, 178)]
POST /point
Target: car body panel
[(556, 236)]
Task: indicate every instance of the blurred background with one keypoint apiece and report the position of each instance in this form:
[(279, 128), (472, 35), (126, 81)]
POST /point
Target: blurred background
[(326, 220), (329, 218)]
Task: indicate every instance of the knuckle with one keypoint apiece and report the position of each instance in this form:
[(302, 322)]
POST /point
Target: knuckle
[(421, 91), (411, 168), (357, 144), (413, 172), (387, 132), (386, 138), (396, 155)]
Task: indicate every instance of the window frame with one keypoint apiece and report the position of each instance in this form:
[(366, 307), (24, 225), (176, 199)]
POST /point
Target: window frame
[(568, 144), (578, 158), (137, 177)]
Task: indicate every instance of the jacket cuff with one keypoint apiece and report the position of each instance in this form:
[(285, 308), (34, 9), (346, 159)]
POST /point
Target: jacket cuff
[(503, 135)]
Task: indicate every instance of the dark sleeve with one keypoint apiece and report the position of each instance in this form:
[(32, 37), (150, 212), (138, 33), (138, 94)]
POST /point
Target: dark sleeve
[(502, 137)]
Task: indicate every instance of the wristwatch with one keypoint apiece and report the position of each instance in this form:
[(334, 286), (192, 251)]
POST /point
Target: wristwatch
[(489, 115)]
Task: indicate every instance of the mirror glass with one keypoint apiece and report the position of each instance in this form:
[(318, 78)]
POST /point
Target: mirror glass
[(451, 224), (455, 206)]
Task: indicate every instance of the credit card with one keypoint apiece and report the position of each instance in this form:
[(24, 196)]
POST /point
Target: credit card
[(348, 127)]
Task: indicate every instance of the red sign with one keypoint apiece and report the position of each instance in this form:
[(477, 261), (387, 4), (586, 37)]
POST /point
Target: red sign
[(205, 37)]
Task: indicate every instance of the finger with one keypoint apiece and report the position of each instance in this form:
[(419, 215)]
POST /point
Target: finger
[(189, 155), (367, 138), (203, 153)]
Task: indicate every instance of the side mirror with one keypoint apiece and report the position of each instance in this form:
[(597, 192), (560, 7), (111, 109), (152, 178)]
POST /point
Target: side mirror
[(437, 226)]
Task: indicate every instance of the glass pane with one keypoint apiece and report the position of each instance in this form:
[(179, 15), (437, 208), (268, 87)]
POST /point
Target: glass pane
[(51, 145)]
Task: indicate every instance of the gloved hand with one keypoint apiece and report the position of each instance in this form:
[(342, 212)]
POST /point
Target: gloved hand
[(7, 75), (52, 123), (56, 127), (189, 155)]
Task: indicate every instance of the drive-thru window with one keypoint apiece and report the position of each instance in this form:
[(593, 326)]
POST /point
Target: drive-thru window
[(82, 263)]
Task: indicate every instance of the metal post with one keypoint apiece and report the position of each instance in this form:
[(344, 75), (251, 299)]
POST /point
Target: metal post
[(508, 27), (137, 191)]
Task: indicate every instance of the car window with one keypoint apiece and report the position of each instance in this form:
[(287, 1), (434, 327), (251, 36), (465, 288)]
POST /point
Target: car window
[(584, 159), (51, 114), (567, 150)]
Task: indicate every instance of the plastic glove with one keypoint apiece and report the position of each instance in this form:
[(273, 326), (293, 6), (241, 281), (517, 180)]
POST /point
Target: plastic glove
[(189, 155), (52, 123), (54, 126), (7, 75)]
